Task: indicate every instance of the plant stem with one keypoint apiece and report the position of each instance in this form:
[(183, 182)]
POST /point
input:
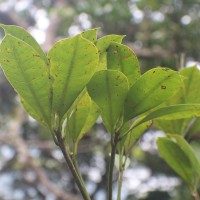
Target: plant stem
[(122, 164), (74, 160), (71, 166), (114, 142), (120, 179), (195, 195)]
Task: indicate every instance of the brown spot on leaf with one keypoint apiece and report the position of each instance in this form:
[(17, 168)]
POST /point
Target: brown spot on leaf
[(36, 55), (163, 87)]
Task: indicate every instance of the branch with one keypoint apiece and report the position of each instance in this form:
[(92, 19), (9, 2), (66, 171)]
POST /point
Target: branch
[(26, 160)]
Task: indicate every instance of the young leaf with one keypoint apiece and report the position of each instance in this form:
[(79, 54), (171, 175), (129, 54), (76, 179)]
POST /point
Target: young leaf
[(108, 89), (82, 118), (130, 139), (153, 88), (102, 44), (73, 62), (93, 114), (23, 35), (90, 35), (122, 58), (28, 74)]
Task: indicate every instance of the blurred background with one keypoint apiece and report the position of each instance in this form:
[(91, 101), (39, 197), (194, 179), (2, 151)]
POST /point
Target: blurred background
[(162, 33)]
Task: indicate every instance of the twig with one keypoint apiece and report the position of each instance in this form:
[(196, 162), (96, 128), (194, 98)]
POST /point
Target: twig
[(114, 142), (27, 161)]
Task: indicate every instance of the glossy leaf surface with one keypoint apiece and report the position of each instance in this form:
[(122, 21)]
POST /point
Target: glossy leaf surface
[(108, 89)]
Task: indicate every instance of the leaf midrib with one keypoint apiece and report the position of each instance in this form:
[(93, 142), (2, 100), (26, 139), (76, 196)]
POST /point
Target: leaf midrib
[(69, 74), (18, 62)]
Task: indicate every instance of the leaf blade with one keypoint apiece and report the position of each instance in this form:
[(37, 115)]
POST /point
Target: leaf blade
[(28, 74), (108, 89), (122, 58), (23, 35), (175, 158), (71, 72), (153, 88)]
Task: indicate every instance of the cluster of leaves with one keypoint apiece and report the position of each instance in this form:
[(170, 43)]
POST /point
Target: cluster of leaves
[(82, 78), (181, 149)]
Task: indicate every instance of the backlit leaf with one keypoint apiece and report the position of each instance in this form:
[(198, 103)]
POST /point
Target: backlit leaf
[(23, 35), (122, 58), (108, 89), (28, 74), (187, 94), (90, 35), (102, 45), (153, 88), (82, 118), (73, 62)]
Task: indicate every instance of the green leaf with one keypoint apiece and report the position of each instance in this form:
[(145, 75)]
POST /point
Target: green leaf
[(181, 157), (28, 74), (104, 42), (176, 158), (82, 118), (122, 58), (194, 129), (187, 94), (189, 152), (93, 114), (196, 148), (130, 139), (153, 88), (102, 45), (191, 88), (108, 89), (73, 62), (180, 111), (23, 35), (90, 35)]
